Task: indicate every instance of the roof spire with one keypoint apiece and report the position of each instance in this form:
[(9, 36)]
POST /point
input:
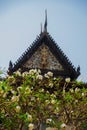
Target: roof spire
[(45, 24)]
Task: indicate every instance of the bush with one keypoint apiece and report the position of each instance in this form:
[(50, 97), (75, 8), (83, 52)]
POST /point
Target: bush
[(29, 99)]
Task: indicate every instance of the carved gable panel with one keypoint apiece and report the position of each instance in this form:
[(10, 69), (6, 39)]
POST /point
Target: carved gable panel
[(43, 59)]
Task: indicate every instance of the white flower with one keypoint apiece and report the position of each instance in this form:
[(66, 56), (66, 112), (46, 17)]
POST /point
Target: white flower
[(42, 90), (47, 92), (47, 101), (53, 101), (10, 77), (71, 111), (67, 80), (71, 90), (39, 71), (50, 74), (32, 98), (25, 73), (40, 77), (27, 90), (77, 89), (17, 109), (63, 125), (19, 88), (18, 73), (15, 98), (83, 94), (49, 120), (50, 84), (38, 99), (56, 111), (31, 126), (53, 95), (46, 76), (57, 108), (29, 117), (12, 91), (33, 71), (54, 78), (76, 101)]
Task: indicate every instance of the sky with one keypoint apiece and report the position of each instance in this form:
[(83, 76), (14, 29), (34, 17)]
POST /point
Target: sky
[(20, 23)]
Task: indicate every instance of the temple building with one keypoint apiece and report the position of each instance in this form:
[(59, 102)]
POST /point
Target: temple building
[(45, 54)]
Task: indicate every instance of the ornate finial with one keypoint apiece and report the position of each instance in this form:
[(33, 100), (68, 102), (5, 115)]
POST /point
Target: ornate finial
[(41, 27), (45, 25)]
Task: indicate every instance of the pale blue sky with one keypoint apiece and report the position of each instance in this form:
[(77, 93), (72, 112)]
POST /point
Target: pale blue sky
[(67, 23)]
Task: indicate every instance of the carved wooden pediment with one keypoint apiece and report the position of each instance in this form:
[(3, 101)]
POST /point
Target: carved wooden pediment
[(43, 59)]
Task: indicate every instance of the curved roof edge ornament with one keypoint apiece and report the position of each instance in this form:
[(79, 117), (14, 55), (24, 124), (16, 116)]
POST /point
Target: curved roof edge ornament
[(10, 67), (78, 69), (45, 24)]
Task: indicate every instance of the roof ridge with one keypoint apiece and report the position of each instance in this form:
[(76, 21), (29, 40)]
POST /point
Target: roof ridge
[(61, 51), (27, 50)]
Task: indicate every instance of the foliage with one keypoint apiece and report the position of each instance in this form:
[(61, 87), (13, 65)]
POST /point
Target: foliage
[(29, 99)]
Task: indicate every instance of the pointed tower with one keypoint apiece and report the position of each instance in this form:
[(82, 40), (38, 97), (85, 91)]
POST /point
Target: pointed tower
[(45, 54)]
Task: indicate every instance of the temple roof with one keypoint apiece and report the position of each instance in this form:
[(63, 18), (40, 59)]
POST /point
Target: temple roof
[(47, 51), (45, 37)]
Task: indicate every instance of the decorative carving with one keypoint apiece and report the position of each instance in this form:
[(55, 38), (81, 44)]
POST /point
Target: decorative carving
[(44, 56), (43, 59)]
